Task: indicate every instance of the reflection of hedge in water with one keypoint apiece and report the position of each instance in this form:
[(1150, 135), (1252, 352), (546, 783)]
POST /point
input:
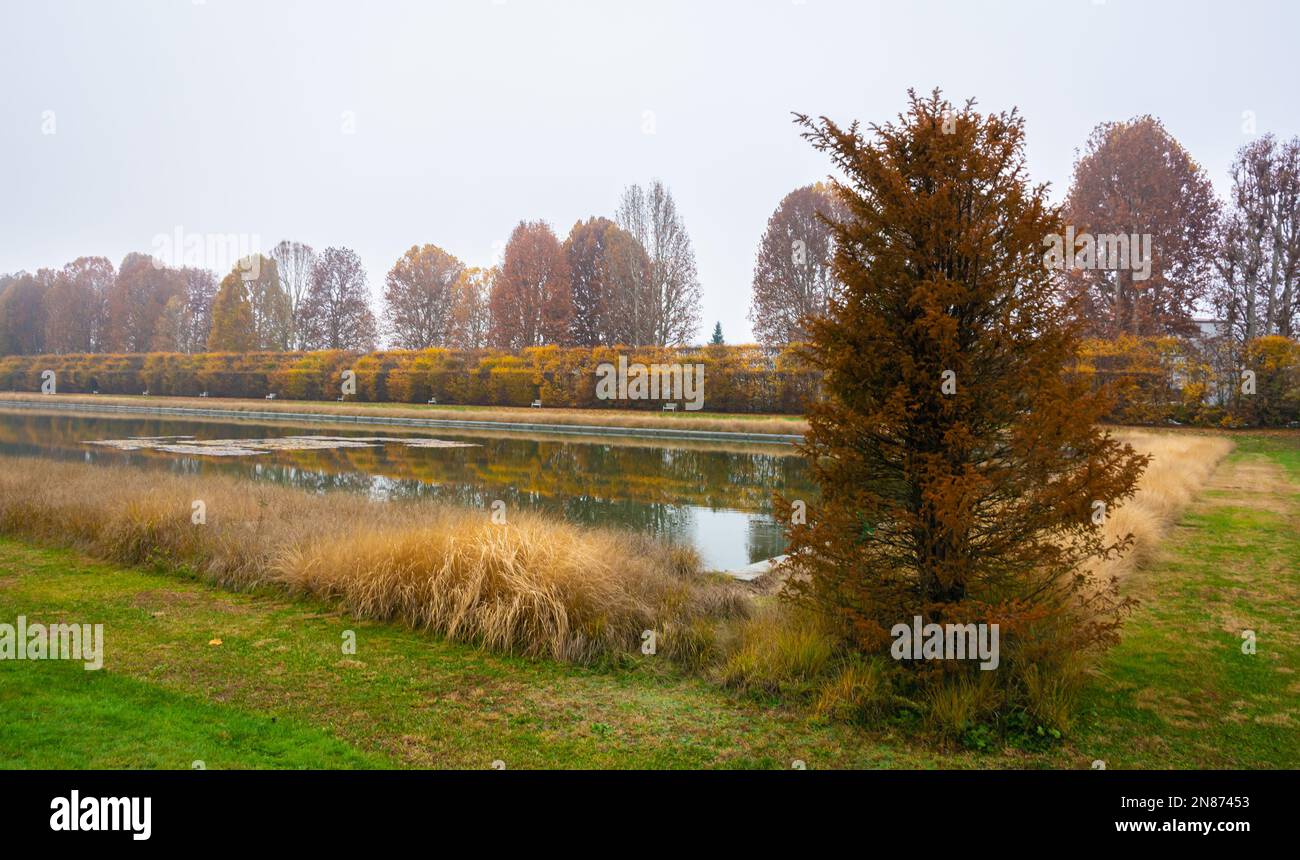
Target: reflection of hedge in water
[(32, 427), (549, 469), (565, 470)]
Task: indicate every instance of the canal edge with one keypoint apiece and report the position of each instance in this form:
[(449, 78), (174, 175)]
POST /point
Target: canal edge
[(394, 421)]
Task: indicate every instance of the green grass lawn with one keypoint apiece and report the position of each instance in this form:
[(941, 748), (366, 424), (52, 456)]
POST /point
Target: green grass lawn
[(279, 691), (1178, 691), (280, 680)]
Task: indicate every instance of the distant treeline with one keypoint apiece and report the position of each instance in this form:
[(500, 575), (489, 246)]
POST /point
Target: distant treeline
[(1158, 380), (629, 280)]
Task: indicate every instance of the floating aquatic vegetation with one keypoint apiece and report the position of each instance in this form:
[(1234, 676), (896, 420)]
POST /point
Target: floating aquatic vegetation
[(253, 447), (208, 450), (391, 440), (123, 444)]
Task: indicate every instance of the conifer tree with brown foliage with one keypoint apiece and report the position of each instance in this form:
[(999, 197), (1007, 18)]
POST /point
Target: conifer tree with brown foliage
[(958, 464)]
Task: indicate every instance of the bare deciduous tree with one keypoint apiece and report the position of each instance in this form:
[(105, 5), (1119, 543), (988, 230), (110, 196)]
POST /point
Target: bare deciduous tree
[(23, 312), (667, 305), (294, 261), (200, 291), (628, 302), (336, 310), (470, 318), (419, 296), (793, 277), (272, 310), (1259, 242)]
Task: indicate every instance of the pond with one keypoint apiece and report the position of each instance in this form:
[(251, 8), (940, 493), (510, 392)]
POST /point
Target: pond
[(714, 496)]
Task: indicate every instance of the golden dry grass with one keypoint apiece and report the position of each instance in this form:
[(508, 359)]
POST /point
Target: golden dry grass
[(778, 648), (1180, 465), (530, 586)]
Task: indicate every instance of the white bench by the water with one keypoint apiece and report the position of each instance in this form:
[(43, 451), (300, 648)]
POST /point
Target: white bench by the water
[(537, 404), (270, 396), (670, 407), (433, 401)]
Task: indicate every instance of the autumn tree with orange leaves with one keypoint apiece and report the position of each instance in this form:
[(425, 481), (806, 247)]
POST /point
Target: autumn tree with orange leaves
[(531, 303), (793, 278), (1134, 179), (958, 466), (419, 295)]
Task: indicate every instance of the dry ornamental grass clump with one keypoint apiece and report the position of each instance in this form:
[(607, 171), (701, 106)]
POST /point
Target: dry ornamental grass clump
[(531, 585), (1180, 465)]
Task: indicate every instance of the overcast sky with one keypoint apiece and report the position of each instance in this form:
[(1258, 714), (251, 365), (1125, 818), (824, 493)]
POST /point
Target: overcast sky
[(382, 124)]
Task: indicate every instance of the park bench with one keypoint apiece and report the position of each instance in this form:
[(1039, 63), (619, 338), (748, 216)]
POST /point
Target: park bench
[(537, 404), (670, 407), (270, 396), (433, 401)]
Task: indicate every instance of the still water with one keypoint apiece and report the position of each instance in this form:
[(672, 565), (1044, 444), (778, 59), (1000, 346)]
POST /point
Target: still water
[(716, 497)]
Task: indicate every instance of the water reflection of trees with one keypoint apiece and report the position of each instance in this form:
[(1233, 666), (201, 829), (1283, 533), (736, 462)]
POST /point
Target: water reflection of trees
[(585, 481), (765, 538), (652, 475), (661, 489)]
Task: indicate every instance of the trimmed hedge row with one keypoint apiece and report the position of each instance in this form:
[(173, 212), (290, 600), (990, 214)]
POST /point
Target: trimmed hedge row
[(1207, 383), (1158, 380), (737, 378)]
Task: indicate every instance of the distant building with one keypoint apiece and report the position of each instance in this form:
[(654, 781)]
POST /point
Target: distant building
[(1208, 329)]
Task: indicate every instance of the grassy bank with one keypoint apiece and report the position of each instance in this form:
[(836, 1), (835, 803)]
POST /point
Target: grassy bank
[(680, 420), (404, 698), (278, 691), (507, 580)]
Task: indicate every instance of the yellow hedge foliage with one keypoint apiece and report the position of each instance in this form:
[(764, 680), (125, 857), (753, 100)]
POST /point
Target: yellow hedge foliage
[(1157, 380), (737, 379)]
